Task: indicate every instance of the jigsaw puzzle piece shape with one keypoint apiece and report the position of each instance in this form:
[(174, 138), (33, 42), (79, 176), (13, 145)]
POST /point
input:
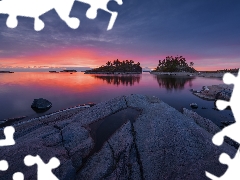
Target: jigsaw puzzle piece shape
[(230, 131), (229, 78), (36, 8), (63, 8), (3, 165), (232, 172), (101, 4), (235, 98), (18, 176), (221, 105), (9, 140), (44, 170)]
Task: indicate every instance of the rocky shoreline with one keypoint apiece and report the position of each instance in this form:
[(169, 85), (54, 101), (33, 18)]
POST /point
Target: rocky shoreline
[(197, 74), (57, 115), (161, 143), (214, 92)]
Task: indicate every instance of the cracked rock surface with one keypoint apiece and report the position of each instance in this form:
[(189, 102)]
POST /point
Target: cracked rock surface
[(162, 143)]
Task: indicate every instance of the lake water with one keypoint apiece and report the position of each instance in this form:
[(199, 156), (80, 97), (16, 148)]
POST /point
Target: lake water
[(64, 90)]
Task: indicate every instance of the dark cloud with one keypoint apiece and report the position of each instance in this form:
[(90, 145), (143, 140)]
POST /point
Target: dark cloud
[(201, 28)]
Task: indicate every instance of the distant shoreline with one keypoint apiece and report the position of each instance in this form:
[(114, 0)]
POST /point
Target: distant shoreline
[(6, 72), (113, 73), (198, 74)]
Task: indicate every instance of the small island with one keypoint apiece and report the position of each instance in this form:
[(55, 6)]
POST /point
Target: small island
[(71, 71), (117, 67), (53, 72), (174, 64), (6, 72)]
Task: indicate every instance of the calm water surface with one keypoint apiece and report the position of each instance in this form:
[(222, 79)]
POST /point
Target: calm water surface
[(65, 90)]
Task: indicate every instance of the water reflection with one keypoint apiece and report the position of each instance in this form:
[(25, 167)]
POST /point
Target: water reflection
[(120, 79), (173, 83)]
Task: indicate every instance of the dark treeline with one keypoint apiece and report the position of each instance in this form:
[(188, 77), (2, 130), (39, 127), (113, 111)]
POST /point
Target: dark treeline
[(174, 64), (119, 66), (117, 80), (229, 70)]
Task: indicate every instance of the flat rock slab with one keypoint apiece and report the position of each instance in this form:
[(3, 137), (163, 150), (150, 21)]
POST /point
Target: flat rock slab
[(173, 146), (161, 144)]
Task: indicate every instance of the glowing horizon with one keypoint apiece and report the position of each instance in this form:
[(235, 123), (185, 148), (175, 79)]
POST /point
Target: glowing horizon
[(92, 58)]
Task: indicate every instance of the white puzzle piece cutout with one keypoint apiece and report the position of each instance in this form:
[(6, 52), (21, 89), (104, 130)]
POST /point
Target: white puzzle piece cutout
[(44, 170), (101, 4), (18, 176), (36, 8), (231, 131), (233, 172), (3, 165), (9, 140)]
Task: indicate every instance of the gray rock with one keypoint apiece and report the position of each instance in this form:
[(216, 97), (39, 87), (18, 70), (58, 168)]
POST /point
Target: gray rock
[(206, 124), (221, 91), (116, 160), (100, 110), (173, 146), (161, 144), (77, 142), (194, 105)]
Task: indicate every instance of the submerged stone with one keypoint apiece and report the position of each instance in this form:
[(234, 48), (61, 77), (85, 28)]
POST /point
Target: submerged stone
[(194, 105), (41, 104)]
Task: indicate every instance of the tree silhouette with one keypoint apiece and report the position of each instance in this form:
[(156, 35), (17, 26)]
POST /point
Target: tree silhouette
[(174, 64), (118, 66), (191, 64)]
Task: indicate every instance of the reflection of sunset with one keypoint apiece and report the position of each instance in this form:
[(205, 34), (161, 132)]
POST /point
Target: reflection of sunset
[(66, 81)]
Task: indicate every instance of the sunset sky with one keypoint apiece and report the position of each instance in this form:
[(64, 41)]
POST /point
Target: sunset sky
[(206, 32)]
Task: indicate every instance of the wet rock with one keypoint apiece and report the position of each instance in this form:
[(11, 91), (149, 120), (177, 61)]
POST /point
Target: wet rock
[(194, 105), (41, 104)]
